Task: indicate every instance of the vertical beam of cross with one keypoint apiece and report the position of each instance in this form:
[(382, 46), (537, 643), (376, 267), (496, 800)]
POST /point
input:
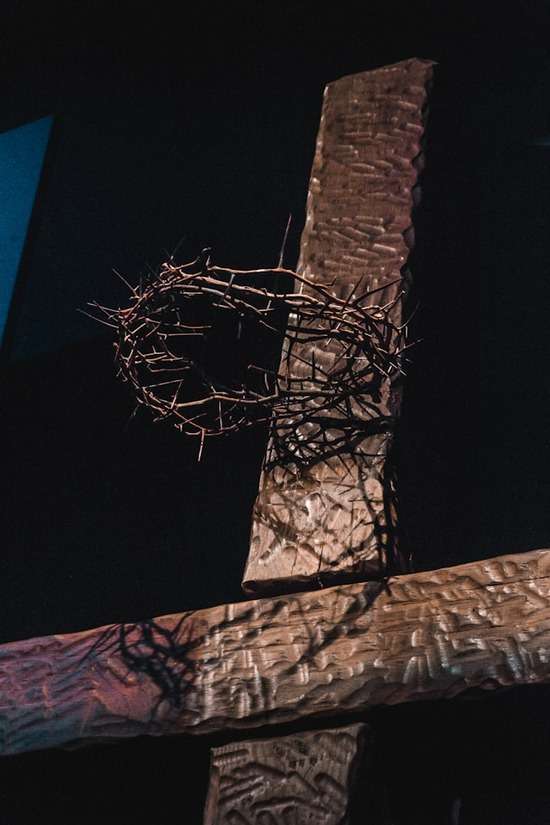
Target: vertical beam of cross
[(330, 515), (325, 508)]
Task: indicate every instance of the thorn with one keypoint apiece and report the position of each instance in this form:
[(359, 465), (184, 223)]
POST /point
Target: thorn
[(94, 318), (124, 281), (179, 243), (285, 238), (201, 446)]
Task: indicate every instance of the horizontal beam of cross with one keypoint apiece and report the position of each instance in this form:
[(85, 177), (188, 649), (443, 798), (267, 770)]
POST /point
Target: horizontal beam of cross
[(336, 651)]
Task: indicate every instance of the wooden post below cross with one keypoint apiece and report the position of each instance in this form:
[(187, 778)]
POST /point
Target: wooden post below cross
[(304, 778)]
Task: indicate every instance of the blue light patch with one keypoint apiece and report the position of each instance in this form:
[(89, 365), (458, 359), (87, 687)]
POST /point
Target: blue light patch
[(22, 153)]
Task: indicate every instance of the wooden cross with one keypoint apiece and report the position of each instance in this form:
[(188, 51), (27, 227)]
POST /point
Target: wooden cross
[(329, 650)]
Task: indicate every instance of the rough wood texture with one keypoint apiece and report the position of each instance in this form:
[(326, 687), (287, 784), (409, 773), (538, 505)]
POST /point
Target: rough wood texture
[(344, 649), (303, 779), (333, 518)]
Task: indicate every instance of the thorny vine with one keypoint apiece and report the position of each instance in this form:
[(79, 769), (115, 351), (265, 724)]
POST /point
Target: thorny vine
[(312, 409)]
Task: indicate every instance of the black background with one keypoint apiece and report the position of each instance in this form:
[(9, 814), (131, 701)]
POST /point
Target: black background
[(196, 126)]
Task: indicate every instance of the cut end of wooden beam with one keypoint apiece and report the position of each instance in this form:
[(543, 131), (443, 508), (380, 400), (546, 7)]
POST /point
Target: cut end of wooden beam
[(332, 518)]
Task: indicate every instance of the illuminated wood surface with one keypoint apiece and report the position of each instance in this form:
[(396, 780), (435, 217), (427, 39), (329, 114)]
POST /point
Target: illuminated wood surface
[(335, 651), (332, 517), (304, 779)]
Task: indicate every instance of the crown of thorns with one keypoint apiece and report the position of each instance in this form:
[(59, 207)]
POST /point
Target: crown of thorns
[(163, 333)]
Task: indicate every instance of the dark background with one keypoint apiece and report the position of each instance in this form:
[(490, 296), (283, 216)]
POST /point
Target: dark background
[(198, 128)]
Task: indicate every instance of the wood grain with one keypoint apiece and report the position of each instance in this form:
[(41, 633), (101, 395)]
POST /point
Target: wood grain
[(334, 651), (332, 518), (303, 779)]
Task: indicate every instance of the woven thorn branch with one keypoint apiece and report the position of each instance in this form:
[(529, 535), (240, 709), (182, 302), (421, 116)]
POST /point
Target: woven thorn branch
[(182, 323)]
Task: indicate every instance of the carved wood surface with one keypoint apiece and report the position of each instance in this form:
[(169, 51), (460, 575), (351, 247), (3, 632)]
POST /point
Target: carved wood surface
[(334, 651), (303, 779), (332, 517)]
